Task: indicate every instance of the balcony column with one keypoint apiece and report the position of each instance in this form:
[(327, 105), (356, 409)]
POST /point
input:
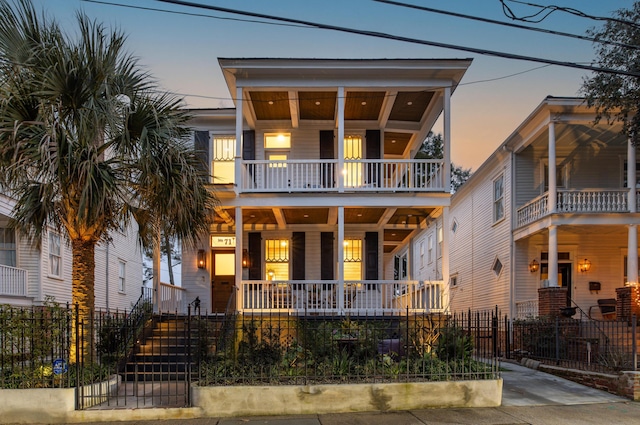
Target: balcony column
[(340, 171), (239, 128), (340, 289), (238, 254), (552, 276), (446, 130), (632, 254), (553, 194), (631, 177)]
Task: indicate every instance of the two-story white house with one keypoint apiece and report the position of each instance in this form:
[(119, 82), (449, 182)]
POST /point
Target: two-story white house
[(549, 220), (320, 195), (30, 275)]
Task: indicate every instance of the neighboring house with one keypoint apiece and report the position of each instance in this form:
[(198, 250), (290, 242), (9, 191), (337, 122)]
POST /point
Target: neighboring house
[(549, 219), (31, 276), (320, 194)]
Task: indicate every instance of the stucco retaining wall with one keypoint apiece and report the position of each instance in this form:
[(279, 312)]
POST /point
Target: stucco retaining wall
[(57, 406)]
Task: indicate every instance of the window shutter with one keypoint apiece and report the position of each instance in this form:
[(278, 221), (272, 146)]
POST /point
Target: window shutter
[(255, 257), (326, 256), (201, 145), (249, 145), (371, 255), (297, 256), (326, 152), (373, 152)]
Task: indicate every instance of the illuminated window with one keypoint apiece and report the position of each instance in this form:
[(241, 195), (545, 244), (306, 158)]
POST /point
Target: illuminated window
[(277, 141), (353, 170), (279, 160), (277, 259), (353, 259), (440, 239), (55, 255), (222, 163)]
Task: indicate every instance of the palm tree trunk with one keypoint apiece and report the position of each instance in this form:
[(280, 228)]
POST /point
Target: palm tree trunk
[(83, 297)]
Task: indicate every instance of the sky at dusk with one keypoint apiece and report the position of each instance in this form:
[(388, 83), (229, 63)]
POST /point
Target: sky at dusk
[(180, 50)]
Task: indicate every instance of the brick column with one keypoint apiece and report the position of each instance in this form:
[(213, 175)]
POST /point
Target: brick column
[(551, 300), (627, 302)]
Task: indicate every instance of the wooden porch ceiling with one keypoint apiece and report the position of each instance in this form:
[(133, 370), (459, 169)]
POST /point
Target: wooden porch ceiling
[(398, 223)]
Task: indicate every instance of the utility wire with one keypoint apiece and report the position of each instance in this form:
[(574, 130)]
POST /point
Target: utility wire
[(404, 39), (553, 8), (507, 24)]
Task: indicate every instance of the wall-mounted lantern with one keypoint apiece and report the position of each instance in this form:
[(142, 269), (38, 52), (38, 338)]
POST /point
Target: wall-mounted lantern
[(245, 259), (584, 266), (534, 266), (202, 259)]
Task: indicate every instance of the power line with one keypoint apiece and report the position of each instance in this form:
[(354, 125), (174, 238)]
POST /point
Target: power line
[(507, 24), (404, 39), (553, 8)]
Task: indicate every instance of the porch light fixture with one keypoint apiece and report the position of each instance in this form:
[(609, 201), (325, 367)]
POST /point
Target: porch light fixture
[(584, 266), (534, 266), (202, 260), (245, 259)]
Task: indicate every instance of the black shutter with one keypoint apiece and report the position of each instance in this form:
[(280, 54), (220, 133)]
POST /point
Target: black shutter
[(201, 145), (297, 256), (326, 255), (249, 145), (373, 152), (255, 256), (371, 255), (326, 152)]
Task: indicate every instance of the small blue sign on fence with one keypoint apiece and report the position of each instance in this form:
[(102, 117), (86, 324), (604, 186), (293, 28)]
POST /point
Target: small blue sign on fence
[(59, 366)]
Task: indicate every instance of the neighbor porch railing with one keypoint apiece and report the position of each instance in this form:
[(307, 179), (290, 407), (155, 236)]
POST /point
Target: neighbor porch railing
[(575, 201), (424, 175), (526, 309), (13, 281), (334, 297)]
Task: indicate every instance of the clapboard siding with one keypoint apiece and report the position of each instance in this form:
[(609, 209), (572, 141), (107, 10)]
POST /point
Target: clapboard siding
[(478, 242)]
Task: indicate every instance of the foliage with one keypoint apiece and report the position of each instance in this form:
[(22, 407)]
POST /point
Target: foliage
[(454, 343), (432, 148), (616, 96), (89, 144)]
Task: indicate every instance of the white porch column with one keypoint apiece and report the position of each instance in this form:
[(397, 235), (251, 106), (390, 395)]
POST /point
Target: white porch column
[(446, 129), (631, 176), (340, 153), (340, 289), (632, 254), (239, 128), (553, 256), (553, 195), (445, 257), (238, 253)]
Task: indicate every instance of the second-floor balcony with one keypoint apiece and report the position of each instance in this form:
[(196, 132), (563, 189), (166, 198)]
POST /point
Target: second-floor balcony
[(576, 201), (362, 175)]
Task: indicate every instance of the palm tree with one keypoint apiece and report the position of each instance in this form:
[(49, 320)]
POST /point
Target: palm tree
[(88, 143)]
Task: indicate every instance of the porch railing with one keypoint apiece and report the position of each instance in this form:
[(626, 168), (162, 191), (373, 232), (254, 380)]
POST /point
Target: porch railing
[(575, 201), (332, 296), (13, 281), (425, 175), (526, 309), (172, 299)]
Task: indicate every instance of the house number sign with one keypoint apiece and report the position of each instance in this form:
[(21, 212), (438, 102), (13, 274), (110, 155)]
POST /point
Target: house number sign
[(223, 241)]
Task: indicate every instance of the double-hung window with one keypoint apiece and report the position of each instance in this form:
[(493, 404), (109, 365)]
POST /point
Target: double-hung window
[(223, 159), (498, 198), (7, 247), (55, 255), (277, 259)]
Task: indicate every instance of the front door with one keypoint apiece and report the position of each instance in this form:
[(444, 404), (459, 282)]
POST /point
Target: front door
[(564, 279), (223, 280)]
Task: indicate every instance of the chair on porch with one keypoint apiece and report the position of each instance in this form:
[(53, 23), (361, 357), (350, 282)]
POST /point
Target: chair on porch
[(607, 308)]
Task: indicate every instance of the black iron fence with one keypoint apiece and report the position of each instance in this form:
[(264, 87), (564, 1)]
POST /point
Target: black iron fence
[(591, 345)]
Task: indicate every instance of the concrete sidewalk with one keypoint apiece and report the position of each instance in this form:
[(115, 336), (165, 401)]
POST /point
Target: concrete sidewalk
[(529, 397)]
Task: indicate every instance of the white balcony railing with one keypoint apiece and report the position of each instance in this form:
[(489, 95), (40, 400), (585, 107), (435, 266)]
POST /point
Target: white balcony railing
[(377, 175), (526, 309), (13, 281), (172, 299), (352, 297), (575, 201)]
